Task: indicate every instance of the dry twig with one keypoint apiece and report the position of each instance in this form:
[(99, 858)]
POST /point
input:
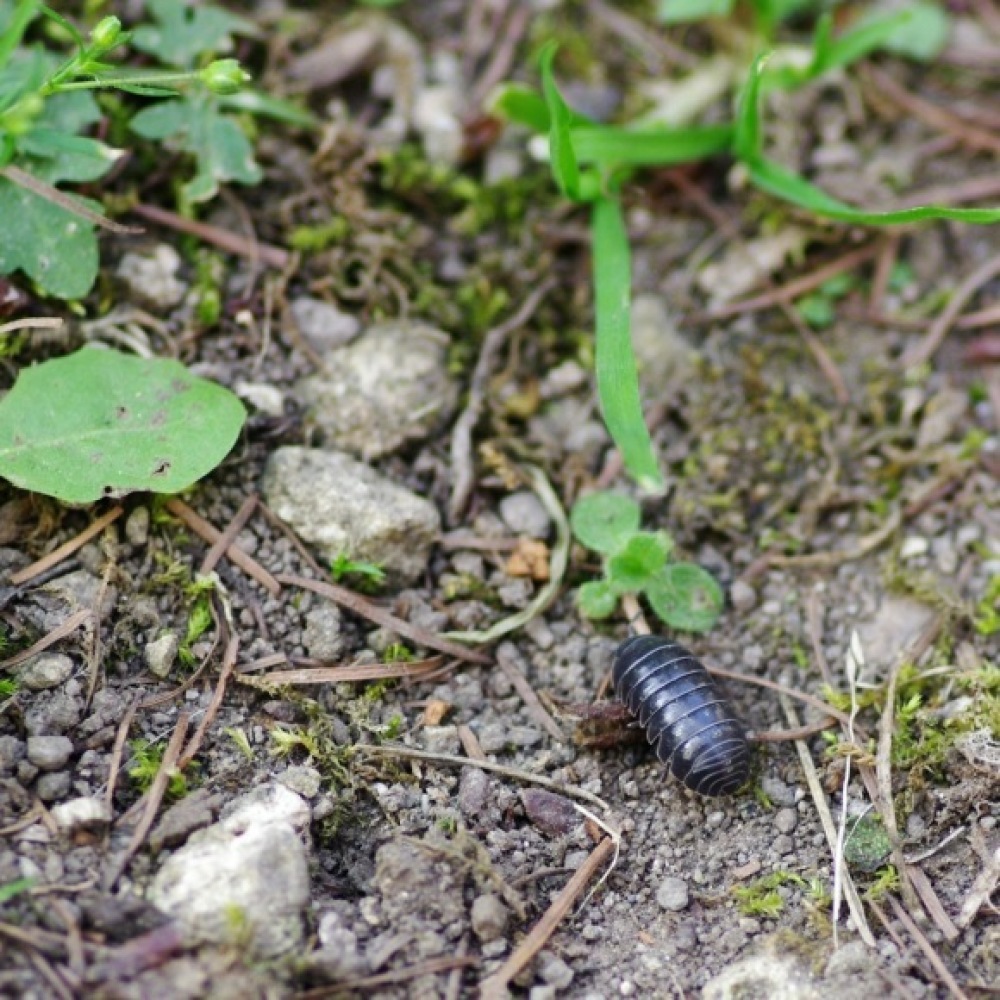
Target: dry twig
[(495, 987), (354, 673), (69, 626), (65, 550), (228, 537)]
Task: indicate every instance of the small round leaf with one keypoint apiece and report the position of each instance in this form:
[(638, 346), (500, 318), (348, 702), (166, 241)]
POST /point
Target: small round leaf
[(102, 424), (604, 522), (685, 597), (596, 599), (634, 566)]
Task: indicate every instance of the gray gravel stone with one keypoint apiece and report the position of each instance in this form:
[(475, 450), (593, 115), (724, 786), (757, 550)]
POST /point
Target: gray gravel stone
[(53, 787), (151, 277), (743, 596), (323, 324), (672, 894), (322, 635), (473, 791), (493, 737), (777, 791), (137, 526), (554, 970), (251, 867), (48, 670), (302, 779), (85, 813), (389, 387), (344, 507), (786, 820), (12, 750), (49, 753), (161, 654), (441, 739), (761, 976), (524, 514), (56, 713), (489, 917)]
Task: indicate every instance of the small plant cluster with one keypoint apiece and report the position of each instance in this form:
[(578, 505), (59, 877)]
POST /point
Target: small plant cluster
[(592, 162), (47, 103), (682, 595)]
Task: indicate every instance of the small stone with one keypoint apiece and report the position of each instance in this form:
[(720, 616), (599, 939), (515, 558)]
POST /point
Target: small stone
[(302, 779), (761, 976), (524, 514), (85, 813), (53, 787), (266, 399), (322, 635), (55, 713), (193, 812), (473, 791), (673, 894), (786, 820), (743, 596), (49, 753), (554, 970), (137, 526), (161, 654), (913, 547), (546, 992), (850, 959), (551, 813), (338, 955), (152, 277), (12, 750), (323, 324), (344, 507), (441, 739), (390, 387), (777, 791), (493, 737), (783, 844), (489, 917), (523, 736), (47, 670)]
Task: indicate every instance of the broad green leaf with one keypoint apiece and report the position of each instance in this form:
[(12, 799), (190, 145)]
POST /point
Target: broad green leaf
[(102, 424), (222, 152), (565, 169), (604, 522), (685, 597), (682, 11), (924, 33), (55, 248), (631, 568), (185, 31), (617, 377), (69, 157), (522, 105), (596, 599), (610, 145)]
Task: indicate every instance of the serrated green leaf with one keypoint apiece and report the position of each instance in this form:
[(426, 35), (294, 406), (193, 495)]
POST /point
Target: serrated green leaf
[(565, 169), (683, 11), (596, 599), (55, 248), (100, 423), (617, 375), (222, 152), (634, 565), (604, 522), (685, 597), (185, 31)]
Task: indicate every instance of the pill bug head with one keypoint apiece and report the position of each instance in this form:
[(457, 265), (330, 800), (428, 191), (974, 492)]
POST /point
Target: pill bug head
[(685, 716)]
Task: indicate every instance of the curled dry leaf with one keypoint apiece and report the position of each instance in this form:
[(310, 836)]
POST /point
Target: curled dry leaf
[(530, 559)]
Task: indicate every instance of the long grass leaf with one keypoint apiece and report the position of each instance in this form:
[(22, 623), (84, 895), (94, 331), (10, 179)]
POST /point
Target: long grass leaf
[(747, 139), (611, 145), (617, 376), (565, 169), (789, 186)]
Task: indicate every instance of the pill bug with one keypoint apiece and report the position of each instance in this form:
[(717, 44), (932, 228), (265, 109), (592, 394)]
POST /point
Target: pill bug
[(695, 731)]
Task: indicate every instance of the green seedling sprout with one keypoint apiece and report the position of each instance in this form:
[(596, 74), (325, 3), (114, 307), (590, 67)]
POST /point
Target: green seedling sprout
[(681, 594)]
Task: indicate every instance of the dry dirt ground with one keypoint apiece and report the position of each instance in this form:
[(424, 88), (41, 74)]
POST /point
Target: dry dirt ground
[(852, 496)]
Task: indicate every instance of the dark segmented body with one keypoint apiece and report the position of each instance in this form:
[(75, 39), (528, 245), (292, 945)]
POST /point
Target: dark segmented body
[(694, 730)]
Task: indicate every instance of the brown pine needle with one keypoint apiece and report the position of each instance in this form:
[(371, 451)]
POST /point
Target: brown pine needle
[(65, 550)]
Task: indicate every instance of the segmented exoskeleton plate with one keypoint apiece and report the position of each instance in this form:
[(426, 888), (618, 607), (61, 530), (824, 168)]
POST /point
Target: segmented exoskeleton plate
[(695, 731)]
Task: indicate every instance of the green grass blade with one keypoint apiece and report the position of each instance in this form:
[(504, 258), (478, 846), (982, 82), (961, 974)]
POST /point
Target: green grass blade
[(565, 169), (747, 138), (521, 105), (856, 43), (25, 12), (610, 145), (617, 376), (789, 186)]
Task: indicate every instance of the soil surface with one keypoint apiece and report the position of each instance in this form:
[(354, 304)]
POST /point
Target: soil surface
[(831, 490)]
